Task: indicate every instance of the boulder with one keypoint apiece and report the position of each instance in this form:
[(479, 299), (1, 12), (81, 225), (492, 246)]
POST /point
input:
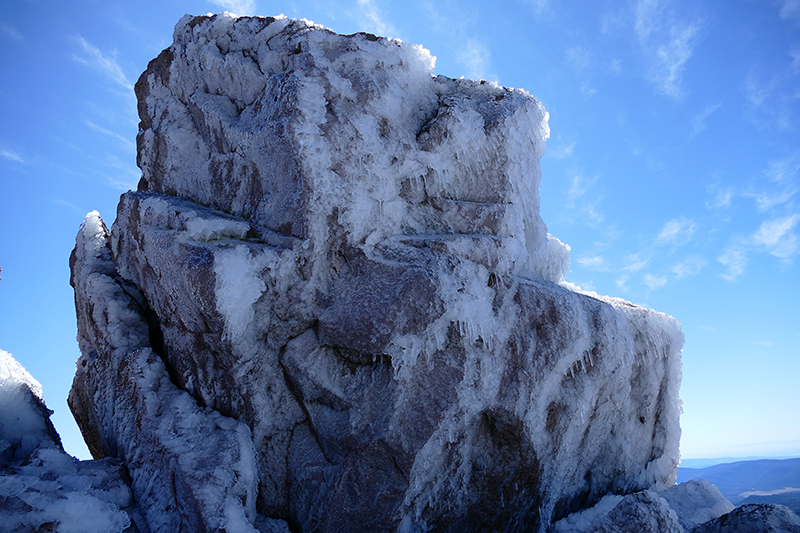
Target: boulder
[(332, 302), (643, 512), (754, 518), (696, 502), (41, 487)]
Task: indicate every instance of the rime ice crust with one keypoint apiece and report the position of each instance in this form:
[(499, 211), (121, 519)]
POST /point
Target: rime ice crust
[(41, 487), (322, 137), (340, 259)]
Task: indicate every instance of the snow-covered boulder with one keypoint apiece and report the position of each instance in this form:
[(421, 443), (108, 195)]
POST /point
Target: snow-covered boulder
[(679, 509), (24, 419), (642, 512), (41, 487), (333, 302), (696, 502), (754, 518)]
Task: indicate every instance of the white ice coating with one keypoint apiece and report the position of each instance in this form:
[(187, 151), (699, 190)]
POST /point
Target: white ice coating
[(41, 487), (371, 160), (144, 403), (22, 424), (239, 286), (60, 491), (345, 253)]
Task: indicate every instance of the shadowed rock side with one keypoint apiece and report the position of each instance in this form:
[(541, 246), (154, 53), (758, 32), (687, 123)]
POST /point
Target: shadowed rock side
[(332, 302)]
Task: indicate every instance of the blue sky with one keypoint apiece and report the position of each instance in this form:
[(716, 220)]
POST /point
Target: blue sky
[(673, 168)]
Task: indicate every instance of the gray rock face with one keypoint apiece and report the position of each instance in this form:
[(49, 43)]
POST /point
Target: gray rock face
[(754, 518), (679, 509), (696, 502), (332, 302), (643, 512)]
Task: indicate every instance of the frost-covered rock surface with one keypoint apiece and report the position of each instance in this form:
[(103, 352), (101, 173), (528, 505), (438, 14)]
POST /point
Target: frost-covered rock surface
[(41, 487), (754, 518), (643, 512), (696, 502), (24, 419), (333, 306), (679, 509)]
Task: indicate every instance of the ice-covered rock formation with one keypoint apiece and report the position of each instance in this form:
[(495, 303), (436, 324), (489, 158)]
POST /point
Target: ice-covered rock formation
[(333, 306), (41, 487)]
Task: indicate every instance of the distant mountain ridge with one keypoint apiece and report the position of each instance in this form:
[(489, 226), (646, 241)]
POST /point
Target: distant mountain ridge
[(736, 479)]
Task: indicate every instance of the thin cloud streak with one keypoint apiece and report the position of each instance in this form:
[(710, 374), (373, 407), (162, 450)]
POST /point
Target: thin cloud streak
[(562, 151), (238, 7), (777, 238), (92, 57), (654, 282), (735, 260), (475, 56), (790, 8), (676, 231), (11, 32), (376, 19), (472, 54), (667, 42), (129, 146), (11, 156), (691, 266), (699, 122)]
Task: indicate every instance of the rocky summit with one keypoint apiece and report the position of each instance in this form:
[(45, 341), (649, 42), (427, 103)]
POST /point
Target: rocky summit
[(332, 302), (332, 306)]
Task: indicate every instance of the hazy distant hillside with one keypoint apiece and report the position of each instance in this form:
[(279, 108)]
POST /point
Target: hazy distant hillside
[(735, 480)]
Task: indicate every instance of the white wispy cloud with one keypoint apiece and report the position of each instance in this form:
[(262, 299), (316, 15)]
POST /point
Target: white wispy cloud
[(126, 143), (376, 19), (667, 42), (764, 343), (124, 176), (782, 183), (588, 210), (735, 259), (476, 58), (790, 9), (578, 188), (11, 156), (699, 121), (594, 262), (562, 151), (722, 196), (771, 98), (676, 231), (74, 209), (795, 53), (635, 262), (538, 5), (654, 282), (580, 58), (92, 57), (238, 7), (10, 31), (777, 237), (691, 266), (672, 58), (472, 54)]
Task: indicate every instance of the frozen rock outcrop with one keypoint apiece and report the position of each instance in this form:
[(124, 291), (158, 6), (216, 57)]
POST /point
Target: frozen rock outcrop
[(41, 487), (754, 518), (678, 509), (696, 502), (333, 302)]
